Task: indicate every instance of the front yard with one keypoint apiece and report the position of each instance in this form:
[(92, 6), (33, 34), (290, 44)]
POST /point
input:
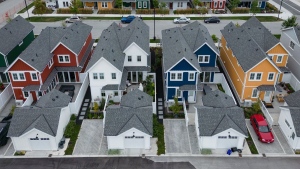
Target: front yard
[(72, 131), (158, 132)]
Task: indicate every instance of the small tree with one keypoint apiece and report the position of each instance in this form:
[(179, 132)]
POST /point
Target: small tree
[(234, 3), (175, 107), (196, 3), (254, 7), (96, 106), (39, 7), (155, 3), (237, 24), (75, 5), (290, 22), (162, 5), (118, 3), (214, 38)]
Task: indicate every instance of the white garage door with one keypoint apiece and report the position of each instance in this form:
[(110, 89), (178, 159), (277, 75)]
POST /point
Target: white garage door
[(134, 142), (40, 144), (225, 142)]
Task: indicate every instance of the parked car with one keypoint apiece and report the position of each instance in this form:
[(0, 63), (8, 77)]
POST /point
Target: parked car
[(73, 19), (212, 20), (3, 133), (182, 20), (128, 19), (261, 128)]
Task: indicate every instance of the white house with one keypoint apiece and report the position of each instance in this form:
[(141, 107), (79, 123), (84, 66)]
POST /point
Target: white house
[(122, 57), (131, 124), (219, 123), (40, 127), (289, 120), (175, 4)]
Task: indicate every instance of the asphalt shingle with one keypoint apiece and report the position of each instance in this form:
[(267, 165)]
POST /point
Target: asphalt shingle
[(53, 99), (292, 100), (217, 99), (136, 99)]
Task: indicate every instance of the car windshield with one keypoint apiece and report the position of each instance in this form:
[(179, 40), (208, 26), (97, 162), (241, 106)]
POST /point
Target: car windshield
[(264, 129)]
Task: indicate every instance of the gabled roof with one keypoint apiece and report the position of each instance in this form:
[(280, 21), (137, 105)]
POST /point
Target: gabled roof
[(295, 113), (13, 33), (26, 119), (297, 32), (292, 100), (119, 120), (53, 99), (136, 99), (114, 40), (38, 53), (175, 48), (215, 120), (218, 99)]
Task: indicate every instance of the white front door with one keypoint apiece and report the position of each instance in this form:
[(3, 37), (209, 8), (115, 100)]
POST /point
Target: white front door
[(191, 96), (267, 97), (40, 144), (134, 142)]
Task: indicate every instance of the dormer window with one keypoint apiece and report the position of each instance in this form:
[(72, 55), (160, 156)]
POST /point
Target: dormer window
[(292, 44)]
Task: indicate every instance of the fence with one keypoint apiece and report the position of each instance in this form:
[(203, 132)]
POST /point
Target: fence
[(186, 117), (154, 103), (12, 11), (28, 101), (5, 96), (292, 80), (266, 113), (75, 106), (104, 110), (220, 78)]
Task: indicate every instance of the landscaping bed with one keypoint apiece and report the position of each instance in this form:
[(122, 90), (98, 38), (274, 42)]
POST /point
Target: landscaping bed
[(220, 87), (191, 11), (251, 144), (68, 11), (28, 7), (270, 8), (114, 11), (151, 11), (158, 132), (47, 11), (254, 109), (240, 10), (71, 131)]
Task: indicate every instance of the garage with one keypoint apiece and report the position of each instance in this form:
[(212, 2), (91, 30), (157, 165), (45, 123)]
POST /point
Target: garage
[(40, 143), (134, 142), (226, 142)]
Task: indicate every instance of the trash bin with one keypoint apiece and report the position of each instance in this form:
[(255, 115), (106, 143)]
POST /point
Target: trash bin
[(229, 151), (234, 149)]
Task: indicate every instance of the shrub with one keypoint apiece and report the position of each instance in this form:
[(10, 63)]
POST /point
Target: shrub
[(191, 11), (214, 38), (70, 129), (96, 106), (290, 88), (220, 87), (47, 11), (158, 131), (151, 11), (68, 11), (102, 104), (240, 10), (73, 117), (114, 11), (113, 152), (271, 8)]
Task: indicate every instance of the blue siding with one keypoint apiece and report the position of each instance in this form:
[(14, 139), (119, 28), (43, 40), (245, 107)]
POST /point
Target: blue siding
[(212, 74), (171, 94), (183, 65), (263, 5), (206, 50), (184, 81)]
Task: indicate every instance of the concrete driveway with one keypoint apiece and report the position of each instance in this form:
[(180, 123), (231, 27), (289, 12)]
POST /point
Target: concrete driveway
[(272, 148), (176, 136), (89, 138)]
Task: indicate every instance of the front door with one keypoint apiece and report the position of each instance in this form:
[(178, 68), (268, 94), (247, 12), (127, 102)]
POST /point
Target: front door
[(134, 77), (267, 97), (191, 96), (171, 5)]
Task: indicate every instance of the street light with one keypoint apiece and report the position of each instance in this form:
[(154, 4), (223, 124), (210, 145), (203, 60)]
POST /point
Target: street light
[(154, 38), (27, 9), (279, 9)]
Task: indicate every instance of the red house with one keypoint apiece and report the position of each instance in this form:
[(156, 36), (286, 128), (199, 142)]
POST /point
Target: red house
[(218, 4), (57, 55)]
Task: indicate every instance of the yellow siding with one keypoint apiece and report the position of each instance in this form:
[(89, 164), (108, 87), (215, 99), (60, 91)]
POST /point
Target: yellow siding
[(109, 5), (89, 4), (278, 49), (235, 71)]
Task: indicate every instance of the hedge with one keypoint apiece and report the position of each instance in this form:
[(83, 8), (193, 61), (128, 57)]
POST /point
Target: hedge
[(151, 11), (114, 11), (271, 7), (80, 11), (191, 11), (240, 10), (47, 11)]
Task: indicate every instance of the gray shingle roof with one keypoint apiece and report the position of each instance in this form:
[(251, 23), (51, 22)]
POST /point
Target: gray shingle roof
[(215, 120), (292, 100), (31, 88), (123, 79), (120, 120), (97, 0), (110, 87), (114, 40), (266, 88), (297, 31), (38, 53), (210, 69), (11, 34), (284, 69), (187, 87), (49, 80), (244, 47), (217, 99), (26, 119), (53, 99), (136, 99), (76, 69), (295, 113)]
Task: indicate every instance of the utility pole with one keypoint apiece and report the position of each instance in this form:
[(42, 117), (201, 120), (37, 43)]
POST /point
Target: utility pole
[(154, 26), (279, 9), (27, 9)]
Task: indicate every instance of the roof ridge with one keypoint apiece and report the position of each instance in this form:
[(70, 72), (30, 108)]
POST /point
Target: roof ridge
[(31, 123), (126, 123), (218, 124), (142, 123), (49, 124), (234, 122)]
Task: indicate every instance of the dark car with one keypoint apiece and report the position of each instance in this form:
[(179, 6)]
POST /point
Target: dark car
[(261, 128), (128, 19), (3, 133), (212, 20)]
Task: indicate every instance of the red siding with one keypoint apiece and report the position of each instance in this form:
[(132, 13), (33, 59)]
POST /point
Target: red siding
[(46, 73), (18, 94), (62, 50), (33, 95), (84, 48), (218, 6), (23, 83), (20, 65)]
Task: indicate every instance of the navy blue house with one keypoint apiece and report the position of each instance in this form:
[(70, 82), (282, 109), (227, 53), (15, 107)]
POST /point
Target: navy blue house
[(189, 60)]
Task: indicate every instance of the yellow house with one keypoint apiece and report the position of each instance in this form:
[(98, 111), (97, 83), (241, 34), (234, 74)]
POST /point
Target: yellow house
[(253, 60), (98, 4)]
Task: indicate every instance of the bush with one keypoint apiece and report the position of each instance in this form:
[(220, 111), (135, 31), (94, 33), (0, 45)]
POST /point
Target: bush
[(73, 117), (70, 129), (48, 11), (191, 11), (255, 109), (240, 10), (151, 11), (220, 87), (102, 104), (158, 131), (113, 152), (271, 8), (68, 11), (214, 38), (114, 11), (290, 88)]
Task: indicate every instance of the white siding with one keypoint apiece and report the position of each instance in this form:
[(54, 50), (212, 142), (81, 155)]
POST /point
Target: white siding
[(175, 5), (63, 122), (50, 4), (134, 50), (103, 66), (61, 2)]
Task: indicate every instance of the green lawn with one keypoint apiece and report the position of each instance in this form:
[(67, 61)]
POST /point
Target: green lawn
[(158, 132), (154, 41), (277, 36), (71, 131), (46, 19), (251, 144), (24, 9)]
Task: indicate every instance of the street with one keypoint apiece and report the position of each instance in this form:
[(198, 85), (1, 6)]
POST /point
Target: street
[(100, 25)]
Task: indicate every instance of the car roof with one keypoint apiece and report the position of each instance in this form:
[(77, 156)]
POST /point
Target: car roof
[(2, 125), (260, 119)]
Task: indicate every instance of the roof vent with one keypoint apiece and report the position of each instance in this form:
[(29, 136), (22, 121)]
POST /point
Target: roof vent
[(176, 40), (119, 29), (129, 29), (64, 28), (179, 52), (259, 28), (225, 97), (66, 37), (106, 39), (16, 19), (249, 40), (183, 28), (102, 49), (114, 60), (142, 96), (54, 28), (238, 38), (108, 31), (36, 55), (5, 28), (184, 49), (191, 28), (32, 59), (216, 95), (10, 32), (174, 31), (248, 28), (138, 28), (57, 97), (112, 50), (191, 59), (205, 38), (53, 99), (71, 29), (170, 37), (139, 98), (77, 32), (103, 36), (137, 37), (242, 30), (256, 49)]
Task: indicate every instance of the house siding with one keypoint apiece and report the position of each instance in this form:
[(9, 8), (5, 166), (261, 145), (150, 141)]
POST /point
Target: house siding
[(176, 6), (18, 94), (206, 50), (84, 48), (62, 50), (109, 6), (183, 66), (278, 49), (2, 61), (142, 4), (46, 72)]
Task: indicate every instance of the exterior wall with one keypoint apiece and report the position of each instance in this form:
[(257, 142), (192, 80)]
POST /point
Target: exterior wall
[(62, 50), (109, 6), (134, 50), (63, 122), (103, 66), (18, 93), (279, 50), (50, 4), (2, 61), (89, 4), (176, 6), (206, 50), (84, 48), (218, 6), (61, 3), (235, 71), (115, 142), (142, 4)]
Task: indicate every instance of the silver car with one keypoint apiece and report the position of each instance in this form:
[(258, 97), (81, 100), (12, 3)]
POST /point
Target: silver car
[(73, 19), (182, 20)]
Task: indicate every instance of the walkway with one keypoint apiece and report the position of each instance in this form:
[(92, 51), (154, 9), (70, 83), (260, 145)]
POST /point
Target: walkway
[(159, 90), (6, 110), (84, 106)]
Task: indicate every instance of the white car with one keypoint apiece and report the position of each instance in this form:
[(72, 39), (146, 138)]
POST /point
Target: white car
[(182, 20), (72, 19)]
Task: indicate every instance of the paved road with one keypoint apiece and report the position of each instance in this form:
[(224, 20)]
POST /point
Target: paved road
[(100, 25), (292, 7), (90, 163)]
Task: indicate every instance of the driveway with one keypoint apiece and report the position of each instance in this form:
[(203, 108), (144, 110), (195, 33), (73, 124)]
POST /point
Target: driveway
[(273, 148), (176, 136), (89, 138)]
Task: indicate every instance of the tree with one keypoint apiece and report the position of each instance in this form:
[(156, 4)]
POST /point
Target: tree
[(162, 5), (290, 22), (234, 3), (254, 7), (196, 3), (214, 38), (155, 3), (175, 107), (39, 7), (118, 3), (75, 5)]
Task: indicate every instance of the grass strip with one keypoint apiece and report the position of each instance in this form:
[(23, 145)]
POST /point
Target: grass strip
[(251, 144), (158, 131), (72, 131), (28, 7)]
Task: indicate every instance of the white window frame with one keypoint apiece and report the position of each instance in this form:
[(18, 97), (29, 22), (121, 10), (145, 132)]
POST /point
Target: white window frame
[(178, 91), (139, 58), (220, 4), (34, 73), (191, 73), (255, 76), (203, 58), (176, 76), (144, 4), (95, 76), (64, 58), (259, 4), (292, 45), (20, 43), (279, 57), (256, 93), (112, 77), (50, 63), (129, 58), (18, 76), (215, 4), (139, 4), (104, 4), (100, 75), (171, 76), (24, 94), (269, 76)]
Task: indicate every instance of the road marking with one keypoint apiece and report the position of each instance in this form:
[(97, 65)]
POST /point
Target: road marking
[(291, 6)]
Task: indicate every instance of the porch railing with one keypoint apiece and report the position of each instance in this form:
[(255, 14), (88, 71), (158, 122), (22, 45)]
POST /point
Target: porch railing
[(266, 113), (186, 117)]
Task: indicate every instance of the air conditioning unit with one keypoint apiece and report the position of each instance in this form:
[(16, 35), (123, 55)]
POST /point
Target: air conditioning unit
[(19, 103), (248, 103)]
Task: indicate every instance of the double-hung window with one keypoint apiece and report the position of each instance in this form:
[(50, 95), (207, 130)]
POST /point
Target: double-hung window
[(173, 76), (104, 4), (139, 58), (139, 4), (179, 76), (95, 76), (113, 76), (255, 76), (279, 58), (50, 63), (271, 76), (144, 4), (191, 76), (178, 93), (63, 59), (254, 93), (34, 77), (176, 76), (101, 75), (203, 58), (129, 58), (26, 94), (18, 76), (103, 93)]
